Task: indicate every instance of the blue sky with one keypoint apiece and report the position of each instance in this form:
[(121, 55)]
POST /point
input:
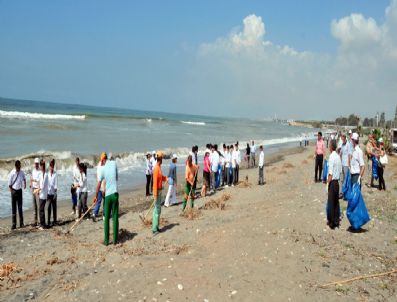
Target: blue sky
[(149, 55)]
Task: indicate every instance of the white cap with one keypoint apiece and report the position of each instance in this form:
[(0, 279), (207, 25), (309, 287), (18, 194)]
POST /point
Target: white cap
[(350, 131), (36, 160), (380, 140), (174, 156), (355, 136), (154, 152)]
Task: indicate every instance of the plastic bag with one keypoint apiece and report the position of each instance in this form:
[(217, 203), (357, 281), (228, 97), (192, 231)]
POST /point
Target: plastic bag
[(347, 185), (325, 171), (375, 164), (384, 160), (357, 212)]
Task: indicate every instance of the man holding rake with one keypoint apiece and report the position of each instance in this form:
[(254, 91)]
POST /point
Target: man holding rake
[(190, 176)]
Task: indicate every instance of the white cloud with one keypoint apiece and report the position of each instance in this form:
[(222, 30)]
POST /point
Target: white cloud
[(246, 73)]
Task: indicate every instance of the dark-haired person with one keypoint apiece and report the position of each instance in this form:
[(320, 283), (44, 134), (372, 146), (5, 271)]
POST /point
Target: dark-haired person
[(101, 192), (52, 194), (248, 154), (109, 174), (17, 182), (253, 153), (319, 153), (261, 165), (206, 174), (158, 180), (148, 172), (334, 174), (215, 159), (170, 199), (34, 185), (74, 190), (236, 158), (190, 176), (43, 193), (381, 168), (357, 165), (83, 190)]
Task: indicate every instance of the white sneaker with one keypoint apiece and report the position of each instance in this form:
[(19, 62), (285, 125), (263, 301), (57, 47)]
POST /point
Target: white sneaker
[(227, 186)]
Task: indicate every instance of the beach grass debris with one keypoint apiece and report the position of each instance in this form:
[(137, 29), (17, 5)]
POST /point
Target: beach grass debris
[(7, 269), (148, 222), (305, 162), (282, 172), (54, 260), (288, 166), (219, 203), (244, 184), (191, 213)]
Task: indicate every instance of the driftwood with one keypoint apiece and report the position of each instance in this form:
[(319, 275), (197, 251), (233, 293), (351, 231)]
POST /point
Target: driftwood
[(360, 278)]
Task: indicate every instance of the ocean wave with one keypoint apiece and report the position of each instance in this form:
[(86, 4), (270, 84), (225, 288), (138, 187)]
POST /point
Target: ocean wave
[(46, 116), (194, 123)]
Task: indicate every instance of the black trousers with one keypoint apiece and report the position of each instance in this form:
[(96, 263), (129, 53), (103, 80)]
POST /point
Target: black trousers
[(16, 201), (52, 207), (42, 212), (333, 204), (148, 181), (318, 167), (382, 185)]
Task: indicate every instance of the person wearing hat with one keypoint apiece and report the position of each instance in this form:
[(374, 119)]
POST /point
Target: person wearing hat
[(319, 153), (34, 185), (158, 180), (357, 165), (109, 174), (170, 199), (148, 172), (101, 193), (16, 181)]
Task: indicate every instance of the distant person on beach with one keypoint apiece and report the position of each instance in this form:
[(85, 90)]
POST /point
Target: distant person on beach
[(372, 150), (357, 165), (253, 153), (195, 162), (223, 163), (206, 173), (319, 153), (43, 193), (346, 151), (148, 173), (228, 164), (248, 154), (261, 165), (17, 182), (381, 168), (334, 173), (214, 167), (109, 174), (190, 176), (83, 191), (170, 199), (74, 190), (52, 194), (101, 192), (34, 185), (158, 180), (153, 161), (236, 156)]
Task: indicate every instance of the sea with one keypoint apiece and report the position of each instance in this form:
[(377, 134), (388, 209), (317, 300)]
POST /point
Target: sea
[(30, 129)]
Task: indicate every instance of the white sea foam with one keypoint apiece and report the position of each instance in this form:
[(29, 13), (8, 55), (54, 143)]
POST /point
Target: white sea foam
[(193, 123), (46, 116)]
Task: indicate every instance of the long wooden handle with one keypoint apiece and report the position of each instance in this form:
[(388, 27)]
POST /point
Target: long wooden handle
[(154, 200), (81, 218), (360, 278)]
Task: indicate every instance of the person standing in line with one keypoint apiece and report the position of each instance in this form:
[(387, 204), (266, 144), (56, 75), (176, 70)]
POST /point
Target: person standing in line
[(346, 151), (101, 192), (43, 193), (17, 182), (248, 155), (34, 185), (52, 194), (261, 165), (238, 162), (83, 191), (234, 164), (253, 153), (170, 199), (195, 162), (372, 150), (223, 163), (334, 173), (228, 166), (153, 160), (190, 176), (357, 165), (158, 180), (148, 172), (319, 153), (214, 166), (381, 168), (109, 175), (74, 190), (206, 174)]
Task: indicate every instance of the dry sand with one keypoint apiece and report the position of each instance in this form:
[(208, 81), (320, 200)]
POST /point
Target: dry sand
[(247, 243)]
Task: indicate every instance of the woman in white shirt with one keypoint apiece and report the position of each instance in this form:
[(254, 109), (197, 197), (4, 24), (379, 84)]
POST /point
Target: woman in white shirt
[(43, 193), (83, 191), (52, 193)]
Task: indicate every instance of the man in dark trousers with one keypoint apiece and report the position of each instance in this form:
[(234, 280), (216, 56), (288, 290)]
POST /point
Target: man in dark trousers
[(16, 181), (334, 173), (319, 153)]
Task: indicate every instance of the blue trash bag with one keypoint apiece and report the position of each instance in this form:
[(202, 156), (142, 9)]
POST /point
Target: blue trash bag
[(357, 212), (327, 210), (325, 171), (347, 185), (375, 165)]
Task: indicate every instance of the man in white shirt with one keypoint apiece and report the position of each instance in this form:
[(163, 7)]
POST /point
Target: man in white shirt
[(214, 166), (357, 165), (52, 194), (74, 190), (236, 159), (16, 181), (34, 185), (261, 164), (334, 173), (346, 151), (253, 153), (43, 193)]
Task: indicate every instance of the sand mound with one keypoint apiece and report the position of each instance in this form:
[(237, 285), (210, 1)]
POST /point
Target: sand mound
[(288, 166), (7, 269), (191, 214), (244, 184)]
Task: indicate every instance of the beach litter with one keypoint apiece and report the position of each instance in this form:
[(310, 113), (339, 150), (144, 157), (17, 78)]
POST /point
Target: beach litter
[(7, 269), (219, 203), (148, 222), (191, 213)]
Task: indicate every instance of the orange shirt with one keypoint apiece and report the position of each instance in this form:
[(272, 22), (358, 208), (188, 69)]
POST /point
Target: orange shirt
[(158, 179), (190, 173)]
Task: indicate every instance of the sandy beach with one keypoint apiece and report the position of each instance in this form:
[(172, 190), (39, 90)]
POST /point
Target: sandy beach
[(247, 243)]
